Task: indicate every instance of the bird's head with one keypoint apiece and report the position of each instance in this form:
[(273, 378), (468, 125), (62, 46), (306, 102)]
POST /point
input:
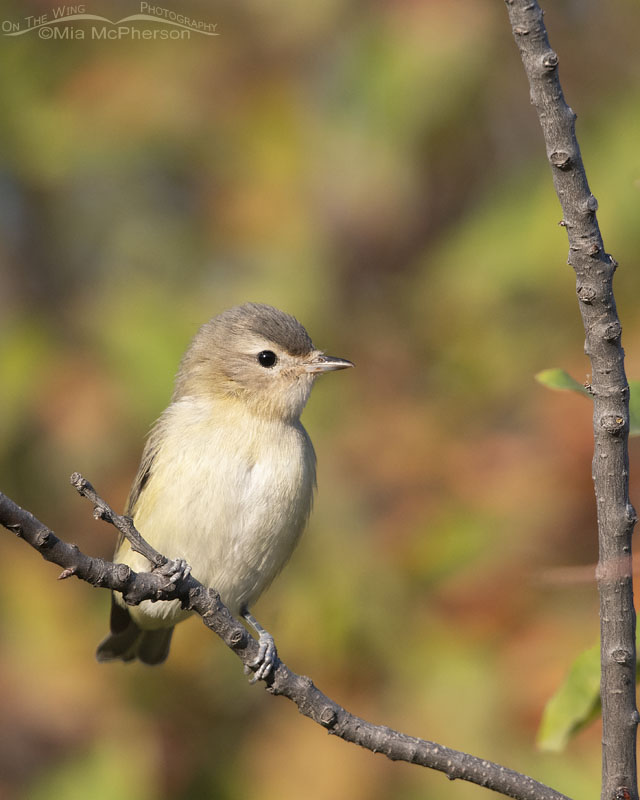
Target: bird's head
[(257, 355)]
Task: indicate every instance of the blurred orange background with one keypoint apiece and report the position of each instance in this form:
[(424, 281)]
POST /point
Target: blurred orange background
[(376, 170)]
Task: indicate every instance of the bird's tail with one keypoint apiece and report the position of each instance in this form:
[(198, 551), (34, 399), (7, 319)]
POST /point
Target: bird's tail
[(127, 641)]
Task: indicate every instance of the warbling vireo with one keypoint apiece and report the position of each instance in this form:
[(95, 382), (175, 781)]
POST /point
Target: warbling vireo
[(227, 474)]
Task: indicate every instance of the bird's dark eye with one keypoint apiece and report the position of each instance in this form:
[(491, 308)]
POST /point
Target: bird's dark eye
[(267, 358)]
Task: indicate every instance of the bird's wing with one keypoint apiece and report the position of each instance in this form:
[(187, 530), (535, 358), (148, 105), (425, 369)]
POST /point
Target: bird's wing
[(145, 470)]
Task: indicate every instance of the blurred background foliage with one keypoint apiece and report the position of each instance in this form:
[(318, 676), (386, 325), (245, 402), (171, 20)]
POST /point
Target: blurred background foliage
[(374, 168)]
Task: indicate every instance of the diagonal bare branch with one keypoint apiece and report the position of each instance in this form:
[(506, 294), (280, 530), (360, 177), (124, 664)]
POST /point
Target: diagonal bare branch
[(136, 587)]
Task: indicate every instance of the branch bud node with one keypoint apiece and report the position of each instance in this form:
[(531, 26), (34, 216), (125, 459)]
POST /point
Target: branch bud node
[(612, 331), (67, 573), (328, 717), (613, 424), (77, 481), (621, 656), (560, 159), (591, 204), (587, 294), (236, 637), (42, 538), (123, 572)]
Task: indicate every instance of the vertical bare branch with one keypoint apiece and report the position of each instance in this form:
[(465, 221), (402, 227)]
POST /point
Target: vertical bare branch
[(616, 517)]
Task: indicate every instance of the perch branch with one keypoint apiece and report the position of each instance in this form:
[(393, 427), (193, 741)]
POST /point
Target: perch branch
[(136, 587), (594, 270)]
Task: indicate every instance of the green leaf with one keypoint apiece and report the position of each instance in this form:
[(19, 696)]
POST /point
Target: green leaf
[(574, 704), (561, 381)]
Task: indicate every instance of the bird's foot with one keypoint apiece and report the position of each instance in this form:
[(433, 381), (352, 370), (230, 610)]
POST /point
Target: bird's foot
[(175, 570), (267, 658)]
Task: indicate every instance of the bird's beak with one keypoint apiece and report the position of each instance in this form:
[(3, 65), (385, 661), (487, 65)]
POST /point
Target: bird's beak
[(318, 363)]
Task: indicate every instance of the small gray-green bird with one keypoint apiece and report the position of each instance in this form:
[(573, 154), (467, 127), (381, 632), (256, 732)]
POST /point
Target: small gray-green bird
[(227, 474)]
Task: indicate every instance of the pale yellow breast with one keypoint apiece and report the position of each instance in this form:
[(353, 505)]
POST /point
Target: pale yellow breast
[(230, 493)]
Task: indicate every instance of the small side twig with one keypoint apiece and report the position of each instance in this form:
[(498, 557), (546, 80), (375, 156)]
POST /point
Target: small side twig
[(102, 510), (136, 587)]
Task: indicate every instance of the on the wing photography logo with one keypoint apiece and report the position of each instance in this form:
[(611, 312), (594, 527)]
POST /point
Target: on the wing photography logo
[(66, 22)]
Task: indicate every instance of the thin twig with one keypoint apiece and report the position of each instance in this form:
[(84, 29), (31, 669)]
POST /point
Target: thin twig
[(124, 524), (594, 270), (136, 587)]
